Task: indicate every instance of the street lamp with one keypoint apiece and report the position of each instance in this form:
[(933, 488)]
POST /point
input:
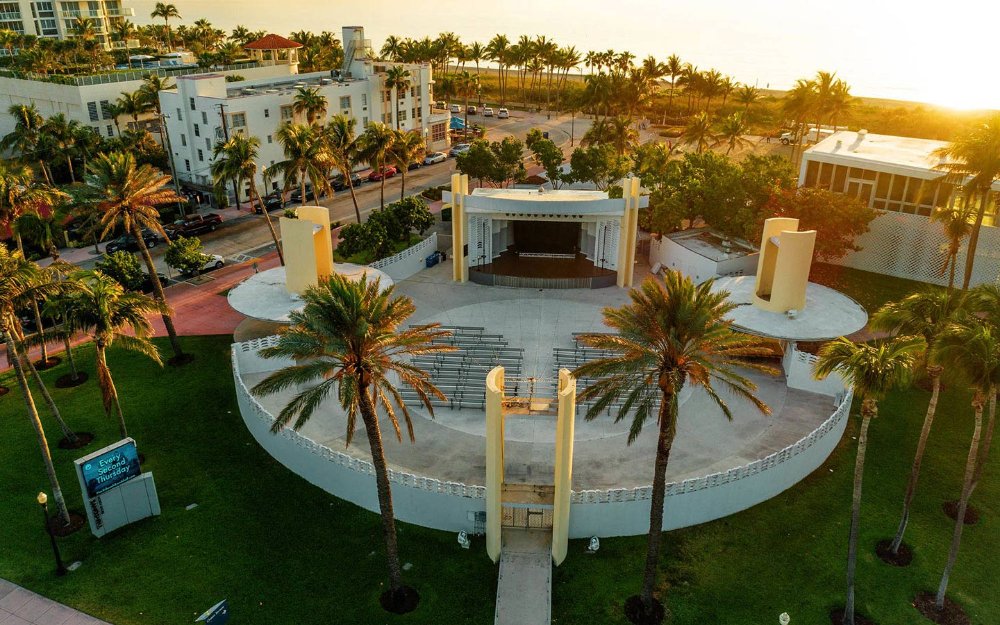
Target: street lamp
[(43, 501)]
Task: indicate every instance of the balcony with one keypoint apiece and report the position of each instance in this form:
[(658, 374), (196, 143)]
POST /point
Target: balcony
[(121, 12), (91, 13)]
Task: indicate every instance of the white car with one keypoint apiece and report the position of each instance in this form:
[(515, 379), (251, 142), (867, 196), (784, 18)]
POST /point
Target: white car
[(460, 148), (503, 114), (488, 111), (455, 108), (435, 157), (212, 262)]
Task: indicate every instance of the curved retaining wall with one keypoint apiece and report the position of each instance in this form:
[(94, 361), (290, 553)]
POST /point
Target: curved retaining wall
[(452, 506)]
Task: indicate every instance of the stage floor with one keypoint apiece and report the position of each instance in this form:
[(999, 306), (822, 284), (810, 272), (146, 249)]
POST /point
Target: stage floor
[(511, 264)]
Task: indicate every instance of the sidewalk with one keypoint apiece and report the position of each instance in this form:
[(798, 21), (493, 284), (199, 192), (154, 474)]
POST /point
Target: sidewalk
[(23, 607)]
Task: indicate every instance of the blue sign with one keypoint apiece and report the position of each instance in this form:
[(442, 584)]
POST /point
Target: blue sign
[(218, 614), (109, 467)]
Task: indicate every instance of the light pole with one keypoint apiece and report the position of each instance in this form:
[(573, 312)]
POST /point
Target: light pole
[(173, 168), (43, 501)]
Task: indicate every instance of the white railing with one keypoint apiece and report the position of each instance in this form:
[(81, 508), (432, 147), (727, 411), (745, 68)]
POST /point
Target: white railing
[(409, 261), (358, 465)]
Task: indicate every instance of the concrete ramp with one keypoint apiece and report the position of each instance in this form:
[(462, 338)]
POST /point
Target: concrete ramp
[(524, 587)]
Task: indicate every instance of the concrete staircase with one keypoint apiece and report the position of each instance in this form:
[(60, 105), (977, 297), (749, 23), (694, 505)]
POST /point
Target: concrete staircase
[(524, 587)]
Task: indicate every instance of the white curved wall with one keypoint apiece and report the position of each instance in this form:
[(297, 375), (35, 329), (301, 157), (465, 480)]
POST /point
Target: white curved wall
[(451, 506)]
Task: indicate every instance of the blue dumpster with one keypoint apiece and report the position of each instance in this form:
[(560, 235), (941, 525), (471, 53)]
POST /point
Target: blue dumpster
[(432, 260)]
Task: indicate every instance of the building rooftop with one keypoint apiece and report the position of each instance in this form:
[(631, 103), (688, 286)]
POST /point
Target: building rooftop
[(285, 84), (711, 244), (865, 146), (272, 42)]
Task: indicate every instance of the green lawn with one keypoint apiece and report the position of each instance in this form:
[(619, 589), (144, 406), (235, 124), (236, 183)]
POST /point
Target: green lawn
[(284, 552)]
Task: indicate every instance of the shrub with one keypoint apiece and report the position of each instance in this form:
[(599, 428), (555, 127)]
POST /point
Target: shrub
[(123, 268), (185, 255)]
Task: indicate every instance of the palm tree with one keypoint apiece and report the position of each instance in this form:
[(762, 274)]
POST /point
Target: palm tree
[(166, 11), (872, 370), (397, 78), (103, 308), (926, 314), (26, 135), (672, 67), (306, 158), (671, 334), (731, 131), (974, 162), (476, 53), (799, 104), (342, 147), (62, 134), (312, 103), (956, 222), (131, 194), (747, 96), (374, 144), (19, 284), (467, 85), (350, 337), (392, 48), (698, 131), (151, 88), (974, 349), (133, 104), (236, 160), (406, 148), (498, 51)]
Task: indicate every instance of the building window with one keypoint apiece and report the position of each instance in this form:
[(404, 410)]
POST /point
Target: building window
[(364, 99), (191, 101), (239, 120), (402, 115), (270, 139), (184, 140), (267, 113), (201, 155), (208, 144), (437, 132), (187, 165), (180, 115), (345, 102), (204, 118), (364, 122), (197, 130), (110, 130), (106, 110), (92, 111), (287, 113), (413, 92)]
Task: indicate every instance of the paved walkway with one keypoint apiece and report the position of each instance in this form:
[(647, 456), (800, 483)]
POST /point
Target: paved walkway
[(524, 586), (23, 607)]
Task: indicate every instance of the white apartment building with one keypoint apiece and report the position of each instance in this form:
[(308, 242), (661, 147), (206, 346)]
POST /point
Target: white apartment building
[(86, 99), (259, 107), (901, 177), (56, 18)]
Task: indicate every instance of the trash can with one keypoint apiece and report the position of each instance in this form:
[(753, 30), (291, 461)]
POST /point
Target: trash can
[(545, 135), (432, 260)]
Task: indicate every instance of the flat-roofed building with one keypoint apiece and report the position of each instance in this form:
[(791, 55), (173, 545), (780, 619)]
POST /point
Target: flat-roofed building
[(902, 177), (204, 108), (57, 18)]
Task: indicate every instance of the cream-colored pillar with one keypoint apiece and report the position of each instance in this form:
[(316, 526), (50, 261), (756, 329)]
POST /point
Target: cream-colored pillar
[(300, 254), (632, 189), (322, 239), (465, 229), (783, 266), (623, 239), (565, 426), (494, 461), (457, 228)]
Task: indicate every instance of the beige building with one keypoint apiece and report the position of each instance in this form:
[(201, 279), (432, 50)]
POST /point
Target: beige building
[(56, 18)]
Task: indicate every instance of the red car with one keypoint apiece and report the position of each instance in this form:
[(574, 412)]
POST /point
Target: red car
[(385, 172)]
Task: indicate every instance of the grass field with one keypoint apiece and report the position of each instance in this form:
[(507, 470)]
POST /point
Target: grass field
[(284, 552)]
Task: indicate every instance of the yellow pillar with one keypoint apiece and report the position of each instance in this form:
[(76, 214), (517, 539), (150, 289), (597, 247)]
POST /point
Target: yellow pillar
[(623, 239), (632, 189), (459, 231), (300, 254), (783, 265), (565, 426), (465, 229), (494, 461), (322, 240)]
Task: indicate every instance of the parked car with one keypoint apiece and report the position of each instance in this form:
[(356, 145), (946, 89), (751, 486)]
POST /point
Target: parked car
[(212, 262), (441, 104), (471, 109), (386, 172), (127, 243), (272, 202), (339, 184), (296, 196), (147, 283), (503, 113), (414, 165), (435, 157), (455, 108), (488, 111), (193, 224), (460, 148)]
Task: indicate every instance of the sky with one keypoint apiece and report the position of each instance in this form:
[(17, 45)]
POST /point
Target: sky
[(942, 52)]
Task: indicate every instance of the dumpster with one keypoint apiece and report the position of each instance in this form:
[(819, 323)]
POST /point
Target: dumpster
[(432, 260)]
